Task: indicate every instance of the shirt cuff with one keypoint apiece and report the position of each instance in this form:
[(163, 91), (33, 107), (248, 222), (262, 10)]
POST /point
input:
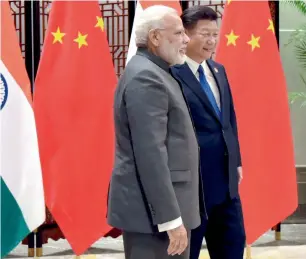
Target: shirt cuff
[(170, 225)]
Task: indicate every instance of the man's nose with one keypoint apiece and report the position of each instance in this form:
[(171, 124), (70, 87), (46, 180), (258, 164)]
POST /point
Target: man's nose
[(211, 41), (186, 38)]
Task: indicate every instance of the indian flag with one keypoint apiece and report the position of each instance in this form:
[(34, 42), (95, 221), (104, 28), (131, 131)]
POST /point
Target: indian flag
[(142, 5), (22, 197)]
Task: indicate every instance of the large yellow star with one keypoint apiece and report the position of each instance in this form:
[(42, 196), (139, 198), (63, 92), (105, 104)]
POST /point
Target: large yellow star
[(100, 23), (271, 26), (229, 1), (254, 42), (231, 38), (81, 40), (58, 36)]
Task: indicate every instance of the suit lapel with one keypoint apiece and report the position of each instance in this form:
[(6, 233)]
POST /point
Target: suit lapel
[(218, 80), (186, 75)]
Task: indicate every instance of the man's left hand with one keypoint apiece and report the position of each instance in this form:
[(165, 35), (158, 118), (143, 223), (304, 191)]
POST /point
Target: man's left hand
[(240, 175)]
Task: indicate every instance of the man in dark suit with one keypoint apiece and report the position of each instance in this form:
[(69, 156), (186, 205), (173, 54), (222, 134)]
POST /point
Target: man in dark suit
[(208, 95), (153, 193)]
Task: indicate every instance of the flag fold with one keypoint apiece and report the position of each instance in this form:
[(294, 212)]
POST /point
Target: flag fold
[(73, 103), (248, 50), (22, 195)]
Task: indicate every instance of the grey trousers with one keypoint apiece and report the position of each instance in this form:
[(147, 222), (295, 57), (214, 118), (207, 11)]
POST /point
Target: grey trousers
[(150, 246)]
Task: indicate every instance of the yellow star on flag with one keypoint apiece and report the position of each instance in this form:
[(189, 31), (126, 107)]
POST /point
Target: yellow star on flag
[(229, 1), (100, 23), (254, 42), (81, 40), (271, 26), (231, 38), (58, 36)]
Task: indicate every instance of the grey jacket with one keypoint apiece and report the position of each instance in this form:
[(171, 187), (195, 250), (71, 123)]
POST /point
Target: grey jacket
[(156, 172)]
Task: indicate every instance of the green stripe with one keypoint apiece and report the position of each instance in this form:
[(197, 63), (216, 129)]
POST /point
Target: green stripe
[(13, 226)]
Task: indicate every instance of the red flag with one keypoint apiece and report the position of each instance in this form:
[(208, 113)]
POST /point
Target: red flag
[(175, 4), (73, 106), (249, 52)]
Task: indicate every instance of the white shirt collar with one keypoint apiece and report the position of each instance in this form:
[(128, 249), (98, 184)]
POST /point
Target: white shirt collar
[(193, 65)]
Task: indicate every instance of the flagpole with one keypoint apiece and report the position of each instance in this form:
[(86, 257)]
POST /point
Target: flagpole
[(32, 38), (32, 55), (248, 252), (32, 44), (131, 10)]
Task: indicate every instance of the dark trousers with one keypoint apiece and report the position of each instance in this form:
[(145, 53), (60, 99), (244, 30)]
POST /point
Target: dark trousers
[(224, 232), (149, 246)]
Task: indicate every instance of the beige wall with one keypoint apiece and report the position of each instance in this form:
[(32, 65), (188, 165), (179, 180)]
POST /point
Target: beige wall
[(290, 19)]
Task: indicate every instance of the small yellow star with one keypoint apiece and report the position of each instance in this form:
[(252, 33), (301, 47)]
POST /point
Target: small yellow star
[(58, 36), (81, 40), (231, 38), (254, 42), (229, 1), (271, 26), (100, 23)]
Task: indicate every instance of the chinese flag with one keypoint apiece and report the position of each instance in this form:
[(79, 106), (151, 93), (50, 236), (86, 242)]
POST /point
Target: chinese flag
[(142, 5), (249, 52), (73, 103)]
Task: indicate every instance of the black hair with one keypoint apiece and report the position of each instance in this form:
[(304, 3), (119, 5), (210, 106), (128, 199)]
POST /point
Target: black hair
[(192, 15)]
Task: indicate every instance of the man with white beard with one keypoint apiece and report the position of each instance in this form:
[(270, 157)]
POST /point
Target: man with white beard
[(154, 189)]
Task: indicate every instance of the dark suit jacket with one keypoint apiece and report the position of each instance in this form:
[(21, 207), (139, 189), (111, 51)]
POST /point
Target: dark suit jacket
[(217, 138)]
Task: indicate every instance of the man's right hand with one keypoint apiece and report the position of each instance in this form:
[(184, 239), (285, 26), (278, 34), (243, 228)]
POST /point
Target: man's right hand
[(178, 240)]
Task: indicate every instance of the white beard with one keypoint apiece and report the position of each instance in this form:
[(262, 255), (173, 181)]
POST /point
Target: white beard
[(170, 54)]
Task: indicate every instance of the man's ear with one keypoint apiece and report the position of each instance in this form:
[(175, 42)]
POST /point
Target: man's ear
[(154, 37)]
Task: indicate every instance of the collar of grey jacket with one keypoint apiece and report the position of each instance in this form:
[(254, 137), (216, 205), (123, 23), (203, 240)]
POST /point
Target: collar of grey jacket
[(155, 59)]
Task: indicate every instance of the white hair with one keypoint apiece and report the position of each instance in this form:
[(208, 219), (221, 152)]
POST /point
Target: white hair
[(150, 19)]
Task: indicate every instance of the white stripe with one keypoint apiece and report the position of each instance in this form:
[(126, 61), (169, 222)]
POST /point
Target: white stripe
[(132, 45), (291, 30), (20, 163)]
